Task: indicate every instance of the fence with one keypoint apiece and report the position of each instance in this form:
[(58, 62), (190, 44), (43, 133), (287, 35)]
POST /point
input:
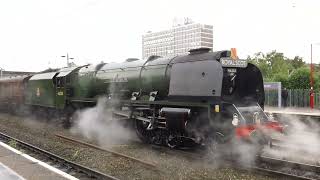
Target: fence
[(296, 98)]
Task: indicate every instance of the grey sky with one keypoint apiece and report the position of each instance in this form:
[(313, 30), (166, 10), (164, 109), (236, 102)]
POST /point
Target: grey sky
[(35, 33)]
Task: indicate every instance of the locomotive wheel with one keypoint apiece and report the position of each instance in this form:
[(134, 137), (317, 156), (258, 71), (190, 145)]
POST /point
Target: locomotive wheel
[(155, 136), (172, 142), (142, 132)]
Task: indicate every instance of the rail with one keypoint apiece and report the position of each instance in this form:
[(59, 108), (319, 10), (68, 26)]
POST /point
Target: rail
[(294, 170), (146, 164), (78, 169)]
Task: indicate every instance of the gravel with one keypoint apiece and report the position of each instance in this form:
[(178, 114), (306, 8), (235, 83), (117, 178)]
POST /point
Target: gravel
[(170, 165)]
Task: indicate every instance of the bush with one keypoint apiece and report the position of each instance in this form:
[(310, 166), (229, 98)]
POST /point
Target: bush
[(300, 79), (283, 78)]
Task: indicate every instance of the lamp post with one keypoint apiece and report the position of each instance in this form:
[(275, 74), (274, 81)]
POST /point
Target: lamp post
[(311, 79), (1, 70), (311, 82), (68, 63)]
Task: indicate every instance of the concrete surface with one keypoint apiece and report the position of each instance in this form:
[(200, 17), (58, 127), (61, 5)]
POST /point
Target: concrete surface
[(21, 167), (293, 110)]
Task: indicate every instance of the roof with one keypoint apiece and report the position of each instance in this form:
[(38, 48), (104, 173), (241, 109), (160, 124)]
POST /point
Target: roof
[(65, 71), (43, 76), (86, 69), (91, 68), (68, 69)]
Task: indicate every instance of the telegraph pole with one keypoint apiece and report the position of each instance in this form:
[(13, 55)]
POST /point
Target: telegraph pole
[(311, 82), (68, 63), (1, 71)]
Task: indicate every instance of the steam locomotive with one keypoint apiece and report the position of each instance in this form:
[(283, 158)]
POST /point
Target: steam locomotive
[(197, 98)]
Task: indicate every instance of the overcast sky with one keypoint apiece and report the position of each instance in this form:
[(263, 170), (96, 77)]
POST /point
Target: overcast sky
[(34, 34)]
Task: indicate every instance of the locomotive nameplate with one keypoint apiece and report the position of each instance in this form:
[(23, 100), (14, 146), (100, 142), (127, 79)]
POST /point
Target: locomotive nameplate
[(226, 62)]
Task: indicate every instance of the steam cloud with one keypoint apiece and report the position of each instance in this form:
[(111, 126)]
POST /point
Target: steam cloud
[(236, 151), (300, 143), (97, 124)]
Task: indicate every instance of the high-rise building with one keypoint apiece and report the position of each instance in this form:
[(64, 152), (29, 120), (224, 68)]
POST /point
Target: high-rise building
[(178, 40)]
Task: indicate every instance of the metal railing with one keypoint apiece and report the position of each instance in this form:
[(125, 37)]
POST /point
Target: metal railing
[(295, 98)]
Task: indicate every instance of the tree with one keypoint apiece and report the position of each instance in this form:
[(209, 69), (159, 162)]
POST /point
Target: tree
[(299, 79), (278, 63), (283, 78), (273, 65), (259, 60), (292, 73), (297, 62)]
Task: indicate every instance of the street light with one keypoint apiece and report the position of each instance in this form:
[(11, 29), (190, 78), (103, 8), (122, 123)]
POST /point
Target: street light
[(311, 80), (68, 64), (1, 69)]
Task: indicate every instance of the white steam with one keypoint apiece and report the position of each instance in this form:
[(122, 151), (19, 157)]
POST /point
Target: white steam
[(97, 124), (301, 142), (239, 152)]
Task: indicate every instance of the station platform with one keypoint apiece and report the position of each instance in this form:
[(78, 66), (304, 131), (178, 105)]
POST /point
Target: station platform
[(293, 111), (15, 165)]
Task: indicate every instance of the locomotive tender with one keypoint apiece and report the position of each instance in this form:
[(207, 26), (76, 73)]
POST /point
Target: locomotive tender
[(197, 98)]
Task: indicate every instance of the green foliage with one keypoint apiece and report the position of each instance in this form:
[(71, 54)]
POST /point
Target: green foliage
[(283, 78), (299, 79), (275, 67), (297, 62), (12, 143), (259, 59)]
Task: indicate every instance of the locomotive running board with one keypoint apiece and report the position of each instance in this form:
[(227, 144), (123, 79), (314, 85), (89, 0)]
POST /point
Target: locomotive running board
[(127, 115)]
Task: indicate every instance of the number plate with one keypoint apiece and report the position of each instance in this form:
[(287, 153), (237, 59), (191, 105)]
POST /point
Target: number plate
[(233, 63)]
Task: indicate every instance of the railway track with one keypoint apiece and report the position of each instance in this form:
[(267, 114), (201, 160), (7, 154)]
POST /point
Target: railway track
[(65, 165), (188, 154), (144, 163), (294, 170), (265, 165), (297, 146)]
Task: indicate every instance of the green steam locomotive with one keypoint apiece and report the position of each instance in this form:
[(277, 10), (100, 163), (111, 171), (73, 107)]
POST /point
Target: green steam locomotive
[(197, 98)]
